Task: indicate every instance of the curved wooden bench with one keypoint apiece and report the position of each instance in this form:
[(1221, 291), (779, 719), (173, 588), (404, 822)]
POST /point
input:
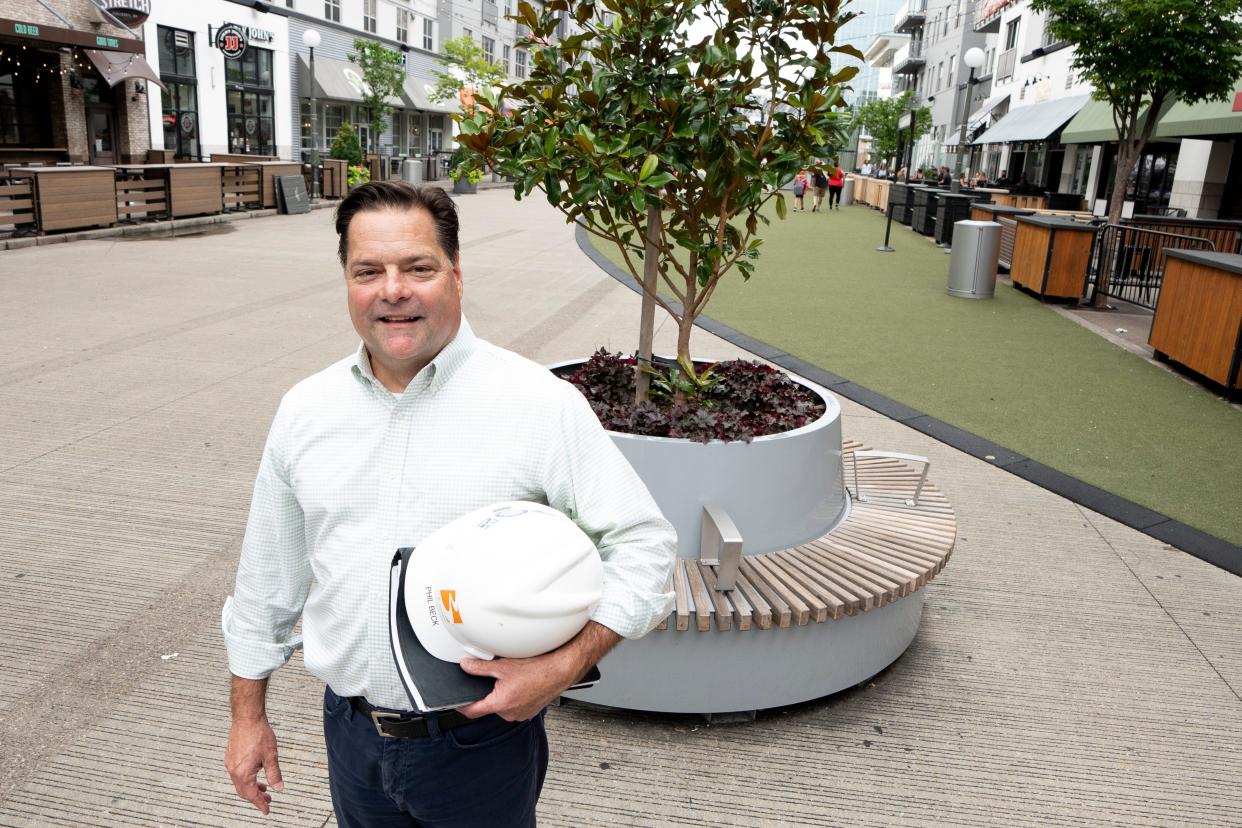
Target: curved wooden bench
[(887, 547)]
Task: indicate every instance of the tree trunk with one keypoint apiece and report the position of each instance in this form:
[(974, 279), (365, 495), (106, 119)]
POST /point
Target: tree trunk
[(1127, 157), (646, 320)]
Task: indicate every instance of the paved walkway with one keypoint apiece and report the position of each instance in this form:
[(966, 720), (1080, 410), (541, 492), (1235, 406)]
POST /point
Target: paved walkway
[(1069, 670)]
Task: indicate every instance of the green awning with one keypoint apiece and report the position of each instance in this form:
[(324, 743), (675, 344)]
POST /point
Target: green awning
[(1092, 125), (1207, 118)]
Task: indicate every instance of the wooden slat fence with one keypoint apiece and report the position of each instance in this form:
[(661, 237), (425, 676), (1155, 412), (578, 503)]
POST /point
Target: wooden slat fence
[(140, 197), (241, 186), (16, 203)]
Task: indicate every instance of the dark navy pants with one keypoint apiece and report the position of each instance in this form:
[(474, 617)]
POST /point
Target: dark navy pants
[(485, 773)]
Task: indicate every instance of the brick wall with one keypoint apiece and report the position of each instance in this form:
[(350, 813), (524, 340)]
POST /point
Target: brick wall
[(133, 130)]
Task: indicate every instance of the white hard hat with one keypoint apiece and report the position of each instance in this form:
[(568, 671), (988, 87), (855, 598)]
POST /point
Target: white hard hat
[(512, 579)]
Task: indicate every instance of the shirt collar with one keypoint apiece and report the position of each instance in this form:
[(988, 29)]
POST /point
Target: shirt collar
[(436, 373)]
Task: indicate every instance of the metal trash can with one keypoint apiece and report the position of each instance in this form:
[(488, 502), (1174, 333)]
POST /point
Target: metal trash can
[(412, 170), (847, 193), (973, 264)]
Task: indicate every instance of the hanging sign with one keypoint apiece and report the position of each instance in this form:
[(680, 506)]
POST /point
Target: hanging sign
[(129, 12), (231, 39)]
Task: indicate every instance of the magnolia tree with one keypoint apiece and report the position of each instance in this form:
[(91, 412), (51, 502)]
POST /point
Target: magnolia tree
[(667, 141), (1143, 54)]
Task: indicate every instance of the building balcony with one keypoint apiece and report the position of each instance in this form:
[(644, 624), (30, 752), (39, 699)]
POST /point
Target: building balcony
[(1005, 63), (988, 15), (911, 62), (910, 17)]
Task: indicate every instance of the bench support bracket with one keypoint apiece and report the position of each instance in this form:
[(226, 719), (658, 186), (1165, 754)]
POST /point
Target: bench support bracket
[(892, 455), (721, 545)]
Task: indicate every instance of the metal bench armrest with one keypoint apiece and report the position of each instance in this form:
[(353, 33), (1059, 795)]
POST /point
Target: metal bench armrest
[(721, 545), (892, 455)]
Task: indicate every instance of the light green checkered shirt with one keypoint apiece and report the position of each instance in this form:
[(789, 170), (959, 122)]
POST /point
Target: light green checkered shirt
[(352, 471)]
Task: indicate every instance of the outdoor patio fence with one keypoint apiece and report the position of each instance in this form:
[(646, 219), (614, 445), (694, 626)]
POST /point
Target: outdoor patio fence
[(1135, 259)]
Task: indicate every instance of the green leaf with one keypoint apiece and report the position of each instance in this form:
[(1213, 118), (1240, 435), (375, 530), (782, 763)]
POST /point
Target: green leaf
[(781, 210), (649, 166)]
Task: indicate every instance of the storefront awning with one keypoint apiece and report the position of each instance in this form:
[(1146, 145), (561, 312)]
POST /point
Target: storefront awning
[(1035, 122), (118, 67), (417, 95), (335, 80), (981, 114), (1207, 118)]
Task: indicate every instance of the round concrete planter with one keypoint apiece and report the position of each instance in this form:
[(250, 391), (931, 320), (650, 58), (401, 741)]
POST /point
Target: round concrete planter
[(781, 491), (463, 187)]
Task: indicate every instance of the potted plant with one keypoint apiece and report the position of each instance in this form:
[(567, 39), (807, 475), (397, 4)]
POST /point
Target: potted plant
[(669, 139), (668, 128), (465, 177)]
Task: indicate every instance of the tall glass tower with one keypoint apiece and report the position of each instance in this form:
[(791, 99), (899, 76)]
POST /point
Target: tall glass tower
[(875, 17)]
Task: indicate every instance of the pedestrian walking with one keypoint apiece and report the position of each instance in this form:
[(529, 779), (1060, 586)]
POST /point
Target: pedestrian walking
[(821, 186), (836, 183), (799, 191)]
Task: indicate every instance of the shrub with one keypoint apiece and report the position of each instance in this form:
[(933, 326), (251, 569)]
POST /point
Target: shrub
[(346, 147), (746, 400)]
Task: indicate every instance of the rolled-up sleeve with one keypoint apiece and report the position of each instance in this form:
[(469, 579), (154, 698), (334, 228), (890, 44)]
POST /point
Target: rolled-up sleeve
[(589, 479), (274, 574)]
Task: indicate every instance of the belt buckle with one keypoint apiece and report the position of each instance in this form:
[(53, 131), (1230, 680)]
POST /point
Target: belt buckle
[(377, 719)]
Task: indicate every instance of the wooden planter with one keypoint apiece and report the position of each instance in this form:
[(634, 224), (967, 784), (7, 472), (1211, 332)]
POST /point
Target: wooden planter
[(1198, 320), (1051, 255), (268, 170), (71, 198), (191, 189)]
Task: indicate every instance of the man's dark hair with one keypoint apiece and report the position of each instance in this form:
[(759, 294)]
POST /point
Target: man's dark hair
[(398, 195)]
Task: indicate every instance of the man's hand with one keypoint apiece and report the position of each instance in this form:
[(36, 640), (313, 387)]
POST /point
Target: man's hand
[(524, 686), (252, 745)]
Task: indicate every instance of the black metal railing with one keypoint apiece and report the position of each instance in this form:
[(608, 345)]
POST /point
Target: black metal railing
[(1135, 259)]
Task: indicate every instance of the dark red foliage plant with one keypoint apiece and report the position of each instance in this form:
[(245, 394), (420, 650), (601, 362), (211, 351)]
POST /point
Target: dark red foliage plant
[(747, 400)]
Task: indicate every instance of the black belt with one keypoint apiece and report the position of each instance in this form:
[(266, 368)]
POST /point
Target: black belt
[(405, 725)]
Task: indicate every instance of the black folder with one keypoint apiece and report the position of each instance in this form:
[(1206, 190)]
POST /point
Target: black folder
[(433, 684)]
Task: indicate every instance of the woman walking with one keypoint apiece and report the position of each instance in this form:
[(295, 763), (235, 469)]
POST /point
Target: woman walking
[(836, 183)]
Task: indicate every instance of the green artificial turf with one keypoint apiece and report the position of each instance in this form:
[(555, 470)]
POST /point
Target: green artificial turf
[(1008, 369)]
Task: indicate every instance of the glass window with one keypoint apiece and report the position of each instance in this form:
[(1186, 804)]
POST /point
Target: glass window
[(489, 49), (179, 98), (519, 69), (403, 25), (429, 39), (1011, 34), (250, 102), (332, 10), (368, 15), (507, 60)]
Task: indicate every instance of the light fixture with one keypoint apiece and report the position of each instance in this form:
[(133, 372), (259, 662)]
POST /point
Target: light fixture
[(311, 38), (973, 57)]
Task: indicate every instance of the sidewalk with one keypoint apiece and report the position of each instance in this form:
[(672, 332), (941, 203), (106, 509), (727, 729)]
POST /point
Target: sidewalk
[(1069, 670)]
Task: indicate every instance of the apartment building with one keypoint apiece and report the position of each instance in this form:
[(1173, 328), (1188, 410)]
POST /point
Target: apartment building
[(932, 67)]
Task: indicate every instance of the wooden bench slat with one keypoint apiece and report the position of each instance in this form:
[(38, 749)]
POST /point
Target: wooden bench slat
[(681, 592), (784, 613), (907, 579), (761, 610), (819, 606), (842, 598), (702, 603), (876, 590), (728, 604)]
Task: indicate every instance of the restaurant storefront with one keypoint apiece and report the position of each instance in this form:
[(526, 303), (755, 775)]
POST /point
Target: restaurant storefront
[(73, 84), (227, 87)]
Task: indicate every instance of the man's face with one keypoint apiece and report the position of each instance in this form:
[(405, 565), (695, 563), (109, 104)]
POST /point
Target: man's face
[(404, 293)]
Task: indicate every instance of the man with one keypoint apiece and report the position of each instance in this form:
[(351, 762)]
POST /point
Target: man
[(423, 423), (820, 180)]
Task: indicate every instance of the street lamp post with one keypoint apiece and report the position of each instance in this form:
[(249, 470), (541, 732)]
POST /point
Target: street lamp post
[(906, 120), (974, 59), (310, 39)]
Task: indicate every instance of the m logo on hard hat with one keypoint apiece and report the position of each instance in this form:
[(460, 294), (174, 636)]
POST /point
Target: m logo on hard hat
[(448, 597)]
